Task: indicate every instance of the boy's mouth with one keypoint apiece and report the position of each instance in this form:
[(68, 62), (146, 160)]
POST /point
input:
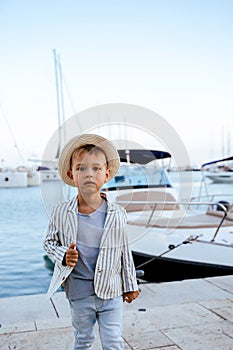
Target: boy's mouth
[(89, 183)]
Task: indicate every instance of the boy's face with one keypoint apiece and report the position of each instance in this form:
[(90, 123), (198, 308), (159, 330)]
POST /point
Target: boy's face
[(89, 171)]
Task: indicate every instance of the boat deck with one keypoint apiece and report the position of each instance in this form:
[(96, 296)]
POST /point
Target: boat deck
[(187, 315)]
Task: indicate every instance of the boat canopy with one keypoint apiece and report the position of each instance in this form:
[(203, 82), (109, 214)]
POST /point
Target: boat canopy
[(141, 156), (217, 161)]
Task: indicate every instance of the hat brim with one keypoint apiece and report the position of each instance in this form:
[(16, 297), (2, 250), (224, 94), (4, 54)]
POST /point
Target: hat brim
[(82, 140)]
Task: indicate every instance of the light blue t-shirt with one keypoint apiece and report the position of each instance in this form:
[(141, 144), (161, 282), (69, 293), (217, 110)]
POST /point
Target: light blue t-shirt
[(80, 283)]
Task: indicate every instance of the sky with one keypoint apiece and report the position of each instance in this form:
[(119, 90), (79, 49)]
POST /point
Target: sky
[(174, 57)]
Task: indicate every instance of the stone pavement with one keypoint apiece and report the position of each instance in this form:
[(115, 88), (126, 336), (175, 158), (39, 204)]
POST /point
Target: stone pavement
[(186, 315)]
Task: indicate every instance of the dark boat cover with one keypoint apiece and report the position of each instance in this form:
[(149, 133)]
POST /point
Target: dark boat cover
[(141, 156), (217, 161)]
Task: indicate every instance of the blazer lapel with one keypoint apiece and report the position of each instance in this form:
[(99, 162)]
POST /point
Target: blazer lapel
[(72, 220), (109, 223)]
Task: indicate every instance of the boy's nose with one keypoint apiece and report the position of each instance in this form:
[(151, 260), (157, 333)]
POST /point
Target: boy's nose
[(89, 172)]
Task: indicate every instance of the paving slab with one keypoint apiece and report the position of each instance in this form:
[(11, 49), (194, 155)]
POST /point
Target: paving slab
[(223, 282), (61, 339), (25, 308), (143, 340), (216, 303), (61, 304), (18, 327), (222, 308), (169, 316), (214, 336), (167, 348), (53, 323), (186, 291)]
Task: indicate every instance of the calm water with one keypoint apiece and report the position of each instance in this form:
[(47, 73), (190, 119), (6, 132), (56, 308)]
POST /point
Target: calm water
[(23, 224)]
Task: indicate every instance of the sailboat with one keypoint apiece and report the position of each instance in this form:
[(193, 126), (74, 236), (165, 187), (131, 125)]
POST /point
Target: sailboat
[(20, 176), (219, 171), (48, 168)]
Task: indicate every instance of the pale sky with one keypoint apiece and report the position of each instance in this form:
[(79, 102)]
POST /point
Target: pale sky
[(174, 57)]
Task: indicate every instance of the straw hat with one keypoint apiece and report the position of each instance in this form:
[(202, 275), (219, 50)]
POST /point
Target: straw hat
[(87, 139)]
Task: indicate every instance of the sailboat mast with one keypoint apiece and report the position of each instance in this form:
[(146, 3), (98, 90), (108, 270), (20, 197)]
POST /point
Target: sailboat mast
[(58, 102), (62, 104)]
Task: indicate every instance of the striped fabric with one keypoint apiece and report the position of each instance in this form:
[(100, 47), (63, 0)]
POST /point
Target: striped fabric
[(115, 271)]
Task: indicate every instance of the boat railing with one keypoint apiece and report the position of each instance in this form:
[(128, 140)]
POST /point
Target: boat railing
[(216, 201), (221, 208), (212, 197)]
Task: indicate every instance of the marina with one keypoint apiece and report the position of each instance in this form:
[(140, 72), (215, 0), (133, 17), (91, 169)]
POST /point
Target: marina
[(182, 314), (187, 315), (154, 77), (23, 223)]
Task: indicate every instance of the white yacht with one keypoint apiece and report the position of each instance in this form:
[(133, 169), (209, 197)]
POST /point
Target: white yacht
[(12, 178), (171, 239), (219, 171)]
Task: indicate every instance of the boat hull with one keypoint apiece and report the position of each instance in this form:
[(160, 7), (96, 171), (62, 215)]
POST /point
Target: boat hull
[(13, 179), (161, 269), (221, 178)]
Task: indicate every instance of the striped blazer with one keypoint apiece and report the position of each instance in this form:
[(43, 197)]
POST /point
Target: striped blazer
[(114, 272)]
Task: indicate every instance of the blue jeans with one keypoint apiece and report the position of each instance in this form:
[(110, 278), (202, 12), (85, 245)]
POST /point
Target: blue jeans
[(108, 313)]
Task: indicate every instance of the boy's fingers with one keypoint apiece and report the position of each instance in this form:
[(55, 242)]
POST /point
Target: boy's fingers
[(72, 246), (72, 255), (71, 260)]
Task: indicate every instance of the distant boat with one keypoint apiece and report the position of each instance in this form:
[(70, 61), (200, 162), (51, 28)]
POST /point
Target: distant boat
[(49, 174), (219, 171), (12, 178), (33, 178), (221, 177), (20, 176)]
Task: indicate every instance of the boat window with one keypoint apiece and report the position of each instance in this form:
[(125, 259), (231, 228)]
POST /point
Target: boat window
[(137, 176)]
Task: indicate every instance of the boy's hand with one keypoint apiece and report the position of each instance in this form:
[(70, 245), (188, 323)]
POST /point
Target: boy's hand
[(71, 256), (130, 296)]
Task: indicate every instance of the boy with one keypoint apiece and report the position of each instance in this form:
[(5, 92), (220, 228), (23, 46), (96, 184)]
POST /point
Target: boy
[(87, 239)]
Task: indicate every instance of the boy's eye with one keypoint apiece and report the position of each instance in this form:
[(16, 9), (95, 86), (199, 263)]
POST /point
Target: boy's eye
[(83, 168)]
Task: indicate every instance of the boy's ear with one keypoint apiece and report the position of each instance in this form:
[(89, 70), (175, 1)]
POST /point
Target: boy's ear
[(108, 171), (69, 174)]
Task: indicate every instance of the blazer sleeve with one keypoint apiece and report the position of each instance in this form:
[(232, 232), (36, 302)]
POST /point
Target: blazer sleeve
[(54, 243)]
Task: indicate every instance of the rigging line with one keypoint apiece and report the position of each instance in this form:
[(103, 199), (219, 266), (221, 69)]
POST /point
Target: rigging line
[(71, 101), (171, 247), (74, 109), (11, 133)]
